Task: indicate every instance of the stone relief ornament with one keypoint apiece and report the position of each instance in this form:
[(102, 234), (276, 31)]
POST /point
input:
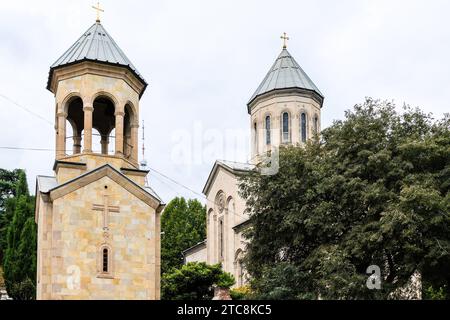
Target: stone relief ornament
[(220, 202)]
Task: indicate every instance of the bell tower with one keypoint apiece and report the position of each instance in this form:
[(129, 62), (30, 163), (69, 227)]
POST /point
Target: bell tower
[(97, 91), (98, 220)]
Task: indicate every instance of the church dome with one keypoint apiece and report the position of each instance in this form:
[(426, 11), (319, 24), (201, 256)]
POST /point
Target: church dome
[(95, 45), (285, 74)]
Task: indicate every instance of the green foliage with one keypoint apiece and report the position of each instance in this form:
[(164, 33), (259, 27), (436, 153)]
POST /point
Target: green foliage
[(2, 280), (19, 263), (373, 191), (8, 182), (435, 294), (194, 281), (225, 280), (23, 290), (242, 293), (184, 225)]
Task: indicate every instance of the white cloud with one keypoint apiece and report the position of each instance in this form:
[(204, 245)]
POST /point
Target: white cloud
[(203, 60)]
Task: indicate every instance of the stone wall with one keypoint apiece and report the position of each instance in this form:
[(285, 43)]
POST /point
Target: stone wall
[(73, 235)]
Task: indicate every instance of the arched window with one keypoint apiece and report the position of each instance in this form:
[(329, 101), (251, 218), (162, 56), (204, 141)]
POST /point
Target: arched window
[(285, 128), (103, 123), (105, 261), (221, 240), (268, 137), (239, 268), (129, 150), (303, 127), (316, 124), (231, 209), (255, 136), (74, 126)]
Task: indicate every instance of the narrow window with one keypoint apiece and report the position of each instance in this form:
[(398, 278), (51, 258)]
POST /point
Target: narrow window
[(221, 242), (268, 137), (105, 260), (316, 124), (303, 127), (241, 274), (285, 127), (255, 132)]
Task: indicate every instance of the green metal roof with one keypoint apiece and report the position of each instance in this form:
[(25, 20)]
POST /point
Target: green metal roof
[(285, 73), (98, 46)]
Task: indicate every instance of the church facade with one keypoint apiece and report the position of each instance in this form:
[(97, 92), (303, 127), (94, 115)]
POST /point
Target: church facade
[(284, 110), (98, 222)]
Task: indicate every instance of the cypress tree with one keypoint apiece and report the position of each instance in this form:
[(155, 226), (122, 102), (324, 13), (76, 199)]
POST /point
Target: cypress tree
[(20, 255)]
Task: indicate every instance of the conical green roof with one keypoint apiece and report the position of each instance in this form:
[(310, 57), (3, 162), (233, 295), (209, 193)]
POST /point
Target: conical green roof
[(98, 46), (285, 73)]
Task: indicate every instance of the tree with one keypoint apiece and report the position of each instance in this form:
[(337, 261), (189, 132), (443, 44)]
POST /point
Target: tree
[(194, 281), (373, 191), (183, 225), (8, 181), (20, 255)]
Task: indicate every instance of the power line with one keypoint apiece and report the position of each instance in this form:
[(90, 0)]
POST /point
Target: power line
[(177, 183), (43, 149), (151, 170), (26, 109), (180, 184), (27, 149), (189, 189)]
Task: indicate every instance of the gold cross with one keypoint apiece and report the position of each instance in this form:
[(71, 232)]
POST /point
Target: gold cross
[(98, 11), (285, 38), (106, 209)]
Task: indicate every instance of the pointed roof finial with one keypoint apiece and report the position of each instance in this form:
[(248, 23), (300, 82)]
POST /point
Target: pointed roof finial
[(98, 9), (285, 38)]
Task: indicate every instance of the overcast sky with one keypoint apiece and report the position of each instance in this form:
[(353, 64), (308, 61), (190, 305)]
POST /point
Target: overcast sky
[(203, 61)]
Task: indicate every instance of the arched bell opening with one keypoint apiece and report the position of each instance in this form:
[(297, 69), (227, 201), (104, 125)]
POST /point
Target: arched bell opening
[(74, 125), (128, 139), (103, 123)]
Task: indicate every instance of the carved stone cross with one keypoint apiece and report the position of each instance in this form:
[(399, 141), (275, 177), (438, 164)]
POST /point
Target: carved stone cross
[(106, 209)]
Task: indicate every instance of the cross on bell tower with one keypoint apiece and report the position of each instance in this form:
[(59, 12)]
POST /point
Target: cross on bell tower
[(98, 194), (285, 38), (98, 9)]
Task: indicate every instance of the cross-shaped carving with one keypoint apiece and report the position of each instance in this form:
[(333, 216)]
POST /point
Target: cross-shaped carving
[(106, 209)]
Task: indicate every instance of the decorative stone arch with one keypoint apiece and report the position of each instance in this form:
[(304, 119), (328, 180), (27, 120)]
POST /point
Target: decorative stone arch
[(106, 94), (70, 110), (230, 201), (105, 262), (104, 108), (133, 111), (209, 215), (130, 131), (69, 98), (239, 270)]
